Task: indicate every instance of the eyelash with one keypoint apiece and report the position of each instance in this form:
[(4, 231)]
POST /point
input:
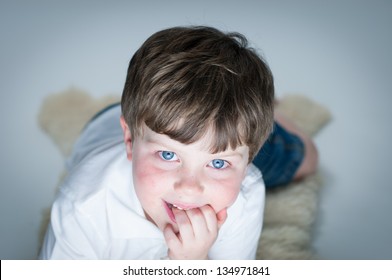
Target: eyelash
[(161, 154)]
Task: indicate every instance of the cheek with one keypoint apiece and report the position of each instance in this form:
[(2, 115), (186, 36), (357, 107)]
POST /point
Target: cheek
[(226, 194), (149, 180), (145, 177)]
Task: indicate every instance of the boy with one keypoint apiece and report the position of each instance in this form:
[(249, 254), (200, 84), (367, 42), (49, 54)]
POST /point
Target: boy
[(196, 107)]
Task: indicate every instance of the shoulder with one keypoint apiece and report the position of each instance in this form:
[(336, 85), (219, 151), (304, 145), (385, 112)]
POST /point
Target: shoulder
[(94, 185), (100, 134), (95, 172), (88, 205)]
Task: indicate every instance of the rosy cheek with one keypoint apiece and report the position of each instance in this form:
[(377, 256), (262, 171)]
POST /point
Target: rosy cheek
[(226, 194), (232, 195), (151, 179), (145, 176)]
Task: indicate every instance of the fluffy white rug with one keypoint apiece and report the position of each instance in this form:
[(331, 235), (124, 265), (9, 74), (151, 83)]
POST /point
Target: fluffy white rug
[(290, 210)]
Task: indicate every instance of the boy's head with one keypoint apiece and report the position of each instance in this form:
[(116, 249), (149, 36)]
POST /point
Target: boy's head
[(185, 81), (197, 105)]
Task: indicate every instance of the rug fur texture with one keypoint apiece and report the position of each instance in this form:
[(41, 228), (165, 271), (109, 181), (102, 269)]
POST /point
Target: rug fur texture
[(290, 211)]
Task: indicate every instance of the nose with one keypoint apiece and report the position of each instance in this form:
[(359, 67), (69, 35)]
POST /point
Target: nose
[(188, 184)]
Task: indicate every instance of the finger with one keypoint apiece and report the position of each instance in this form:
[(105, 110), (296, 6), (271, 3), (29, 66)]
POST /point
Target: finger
[(198, 221), (184, 225), (171, 238), (210, 218)]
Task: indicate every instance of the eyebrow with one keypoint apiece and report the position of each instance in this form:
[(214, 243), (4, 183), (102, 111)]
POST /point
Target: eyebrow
[(153, 141), (231, 154)]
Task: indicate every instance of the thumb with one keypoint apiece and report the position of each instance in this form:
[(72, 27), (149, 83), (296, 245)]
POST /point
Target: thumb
[(221, 217)]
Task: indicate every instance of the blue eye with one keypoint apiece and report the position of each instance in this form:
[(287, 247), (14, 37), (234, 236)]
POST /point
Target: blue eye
[(218, 163), (167, 155)]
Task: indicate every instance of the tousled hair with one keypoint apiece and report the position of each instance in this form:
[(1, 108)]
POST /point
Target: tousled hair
[(184, 81)]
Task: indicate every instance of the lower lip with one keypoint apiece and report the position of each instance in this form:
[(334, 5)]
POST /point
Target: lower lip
[(169, 212)]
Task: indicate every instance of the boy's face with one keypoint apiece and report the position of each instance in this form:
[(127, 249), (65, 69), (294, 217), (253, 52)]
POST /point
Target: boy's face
[(168, 174)]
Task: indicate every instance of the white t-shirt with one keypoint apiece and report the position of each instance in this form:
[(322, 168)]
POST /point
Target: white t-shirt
[(97, 215)]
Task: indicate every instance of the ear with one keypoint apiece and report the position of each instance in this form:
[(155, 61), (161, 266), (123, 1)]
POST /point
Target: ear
[(127, 137)]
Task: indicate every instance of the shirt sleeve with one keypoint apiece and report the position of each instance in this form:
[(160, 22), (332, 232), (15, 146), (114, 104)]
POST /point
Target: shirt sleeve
[(99, 134), (239, 236), (71, 234)]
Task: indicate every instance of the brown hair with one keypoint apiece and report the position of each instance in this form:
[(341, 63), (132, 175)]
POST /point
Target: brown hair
[(184, 81)]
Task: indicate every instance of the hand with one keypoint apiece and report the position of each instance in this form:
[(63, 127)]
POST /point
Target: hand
[(198, 229)]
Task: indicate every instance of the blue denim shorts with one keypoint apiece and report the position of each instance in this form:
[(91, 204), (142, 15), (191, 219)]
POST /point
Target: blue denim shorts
[(280, 157)]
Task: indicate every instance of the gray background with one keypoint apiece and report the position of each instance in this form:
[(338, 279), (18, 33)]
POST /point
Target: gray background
[(336, 52)]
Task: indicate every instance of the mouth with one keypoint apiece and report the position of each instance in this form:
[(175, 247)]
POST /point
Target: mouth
[(170, 206)]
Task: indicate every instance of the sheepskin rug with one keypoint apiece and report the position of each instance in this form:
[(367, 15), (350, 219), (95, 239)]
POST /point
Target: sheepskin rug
[(290, 210)]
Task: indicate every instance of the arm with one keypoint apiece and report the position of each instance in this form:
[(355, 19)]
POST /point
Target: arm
[(70, 234)]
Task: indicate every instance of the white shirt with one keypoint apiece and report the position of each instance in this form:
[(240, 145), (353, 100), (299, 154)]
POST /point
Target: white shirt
[(97, 215)]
